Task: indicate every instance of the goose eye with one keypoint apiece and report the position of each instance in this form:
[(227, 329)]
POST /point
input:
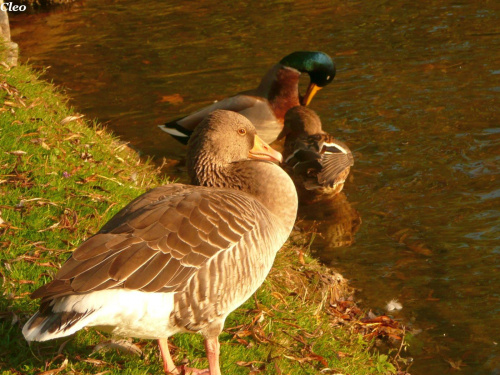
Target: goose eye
[(242, 131)]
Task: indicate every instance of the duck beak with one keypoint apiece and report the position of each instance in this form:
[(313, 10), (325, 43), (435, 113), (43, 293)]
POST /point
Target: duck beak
[(312, 89), (262, 151)]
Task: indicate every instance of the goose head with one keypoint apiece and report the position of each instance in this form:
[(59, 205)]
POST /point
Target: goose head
[(221, 140)]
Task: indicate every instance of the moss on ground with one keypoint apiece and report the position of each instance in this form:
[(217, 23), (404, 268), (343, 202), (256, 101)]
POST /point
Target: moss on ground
[(62, 177)]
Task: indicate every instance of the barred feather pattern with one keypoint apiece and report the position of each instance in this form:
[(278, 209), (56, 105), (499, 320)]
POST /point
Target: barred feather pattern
[(177, 258), (314, 158), (319, 159)]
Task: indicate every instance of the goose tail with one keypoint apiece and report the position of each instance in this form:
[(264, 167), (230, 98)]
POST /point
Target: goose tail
[(48, 324)]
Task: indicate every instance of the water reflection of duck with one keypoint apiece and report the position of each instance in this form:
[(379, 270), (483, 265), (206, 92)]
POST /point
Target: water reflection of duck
[(266, 105), (318, 163), (159, 266), (333, 219)]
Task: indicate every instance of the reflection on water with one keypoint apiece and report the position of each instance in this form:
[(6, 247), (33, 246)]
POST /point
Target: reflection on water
[(333, 220), (415, 98)]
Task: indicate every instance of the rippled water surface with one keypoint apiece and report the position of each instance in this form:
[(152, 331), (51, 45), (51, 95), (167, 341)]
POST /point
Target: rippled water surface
[(416, 97)]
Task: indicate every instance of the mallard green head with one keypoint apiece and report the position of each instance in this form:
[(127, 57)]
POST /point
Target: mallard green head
[(318, 65)]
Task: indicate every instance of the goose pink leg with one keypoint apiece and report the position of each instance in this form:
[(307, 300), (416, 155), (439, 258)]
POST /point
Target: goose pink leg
[(168, 364), (212, 348)]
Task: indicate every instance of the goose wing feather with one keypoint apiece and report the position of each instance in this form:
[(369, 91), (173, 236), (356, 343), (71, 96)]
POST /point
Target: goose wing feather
[(157, 242)]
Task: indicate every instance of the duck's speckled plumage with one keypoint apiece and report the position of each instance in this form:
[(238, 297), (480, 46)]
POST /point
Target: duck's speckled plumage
[(315, 159), (180, 257)]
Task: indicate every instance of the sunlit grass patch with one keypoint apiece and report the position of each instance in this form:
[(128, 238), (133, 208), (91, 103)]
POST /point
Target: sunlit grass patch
[(61, 178)]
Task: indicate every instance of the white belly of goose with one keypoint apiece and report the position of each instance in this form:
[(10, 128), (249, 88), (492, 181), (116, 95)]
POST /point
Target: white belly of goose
[(122, 312)]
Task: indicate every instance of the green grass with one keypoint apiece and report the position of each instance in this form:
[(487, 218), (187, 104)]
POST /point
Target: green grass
[(61, 179)]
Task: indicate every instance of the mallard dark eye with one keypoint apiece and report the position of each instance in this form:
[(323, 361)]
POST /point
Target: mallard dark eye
[(242, 131)]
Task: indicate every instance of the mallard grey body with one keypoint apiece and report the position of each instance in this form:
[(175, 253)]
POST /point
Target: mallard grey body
[(266, 105), (180, 257)]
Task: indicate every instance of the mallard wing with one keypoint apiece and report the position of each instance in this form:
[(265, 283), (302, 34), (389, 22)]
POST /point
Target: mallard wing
[(336, 158), (255, 108)]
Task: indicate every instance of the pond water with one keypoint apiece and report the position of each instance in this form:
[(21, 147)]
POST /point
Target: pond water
[(416, 97)]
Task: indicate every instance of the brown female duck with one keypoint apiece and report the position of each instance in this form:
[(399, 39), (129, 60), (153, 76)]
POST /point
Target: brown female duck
[(317, 162), (179, 258), (266, 105)]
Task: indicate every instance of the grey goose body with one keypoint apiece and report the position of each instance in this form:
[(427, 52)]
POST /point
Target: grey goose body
[(179, 258)]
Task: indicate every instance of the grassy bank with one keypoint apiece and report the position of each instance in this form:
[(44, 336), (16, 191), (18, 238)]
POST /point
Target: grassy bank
[(62, 177)]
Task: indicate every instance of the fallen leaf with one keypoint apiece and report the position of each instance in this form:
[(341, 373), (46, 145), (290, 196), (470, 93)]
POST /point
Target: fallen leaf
[(280, 297), (349, 52), (10, 104), (419, 248), (15, 319), (68, 119), (47, 264), (309, 358), (95, 362), (172, 99), (25, 282), (123, 345), (72, 136), (387, 113), (434, 109), (301, 258), (455, 365), (55, 371), (248, 364), (342, 354), (430, 297), (17, 152), (53, 226)]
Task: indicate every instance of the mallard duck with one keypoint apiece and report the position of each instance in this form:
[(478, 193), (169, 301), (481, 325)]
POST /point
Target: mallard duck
[(317, 162), (266, 105), (180, 257)]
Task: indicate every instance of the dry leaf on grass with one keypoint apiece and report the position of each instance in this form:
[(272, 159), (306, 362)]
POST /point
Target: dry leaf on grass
[(57, 370), (17, 152), (68, 119), (125, 346)]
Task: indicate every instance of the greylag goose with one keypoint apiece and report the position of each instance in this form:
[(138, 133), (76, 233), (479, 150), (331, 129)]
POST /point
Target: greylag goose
[(317, 162), (179, 258), (266, 105)]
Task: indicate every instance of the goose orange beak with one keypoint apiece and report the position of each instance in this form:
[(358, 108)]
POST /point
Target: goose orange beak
[(262, 151), (312, 89)]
